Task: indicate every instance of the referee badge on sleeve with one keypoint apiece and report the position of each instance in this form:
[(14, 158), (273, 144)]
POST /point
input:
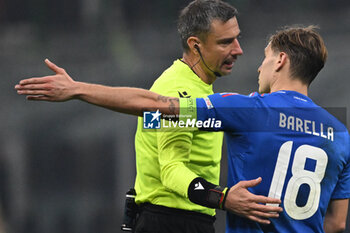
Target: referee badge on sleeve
[(208, 103)]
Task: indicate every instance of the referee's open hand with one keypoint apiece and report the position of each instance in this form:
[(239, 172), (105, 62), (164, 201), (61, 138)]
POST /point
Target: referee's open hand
[(57, 87), (243, 203)]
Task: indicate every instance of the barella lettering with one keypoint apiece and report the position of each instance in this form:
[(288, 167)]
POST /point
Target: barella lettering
[(306, 126)]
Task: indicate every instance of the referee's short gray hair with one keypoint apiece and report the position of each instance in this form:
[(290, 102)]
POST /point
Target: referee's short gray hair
[(196, 18)]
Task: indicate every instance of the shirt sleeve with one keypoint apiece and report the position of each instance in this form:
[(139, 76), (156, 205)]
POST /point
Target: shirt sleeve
[(174, 148), (342, 189), (223, 112)]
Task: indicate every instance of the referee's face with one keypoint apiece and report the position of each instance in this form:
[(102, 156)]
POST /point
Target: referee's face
[(221, 48)]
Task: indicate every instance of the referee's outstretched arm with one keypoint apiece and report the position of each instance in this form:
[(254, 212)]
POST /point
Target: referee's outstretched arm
[(61, 87)]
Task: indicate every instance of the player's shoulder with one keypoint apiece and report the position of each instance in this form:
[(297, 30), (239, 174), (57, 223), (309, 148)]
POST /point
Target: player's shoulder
[(252, 95), (276, 94), (338, 125), (336, 117), (232, 99), (235, 95), (284, 99)]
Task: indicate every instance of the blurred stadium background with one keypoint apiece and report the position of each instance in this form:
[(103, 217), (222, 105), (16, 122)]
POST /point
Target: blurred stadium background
[(65, 167)]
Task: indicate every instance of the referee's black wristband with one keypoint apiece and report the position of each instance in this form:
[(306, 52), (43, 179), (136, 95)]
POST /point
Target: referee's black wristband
[(207, 194)]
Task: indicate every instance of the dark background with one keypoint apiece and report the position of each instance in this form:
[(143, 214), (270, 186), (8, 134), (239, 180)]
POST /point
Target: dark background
[(65, 167)]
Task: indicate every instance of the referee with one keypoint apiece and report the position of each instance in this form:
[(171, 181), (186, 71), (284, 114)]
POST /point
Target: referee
[(172, 166)]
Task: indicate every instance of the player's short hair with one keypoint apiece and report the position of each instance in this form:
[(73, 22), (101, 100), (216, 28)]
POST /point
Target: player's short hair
[(196, 18), (305, 48)]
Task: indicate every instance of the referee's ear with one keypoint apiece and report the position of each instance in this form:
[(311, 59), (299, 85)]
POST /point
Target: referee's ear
[(193, 43)]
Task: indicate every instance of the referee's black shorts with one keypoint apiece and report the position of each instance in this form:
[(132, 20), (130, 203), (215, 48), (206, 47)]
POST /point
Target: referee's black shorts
[(160, 219)]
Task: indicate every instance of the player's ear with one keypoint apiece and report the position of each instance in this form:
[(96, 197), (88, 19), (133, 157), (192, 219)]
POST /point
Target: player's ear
[(281, 61), (193, 43)]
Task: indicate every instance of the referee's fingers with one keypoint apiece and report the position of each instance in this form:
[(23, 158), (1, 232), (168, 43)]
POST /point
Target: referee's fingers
[(54, 67), (262, 214), (38, 80), (33, 92), (38, 98), (263, 199), (267, 208), (259, 220), (32, 87), (250, 183)]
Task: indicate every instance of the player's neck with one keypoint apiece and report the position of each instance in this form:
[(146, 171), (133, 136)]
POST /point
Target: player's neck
[(290, 85), (195, 64), (301, 89)]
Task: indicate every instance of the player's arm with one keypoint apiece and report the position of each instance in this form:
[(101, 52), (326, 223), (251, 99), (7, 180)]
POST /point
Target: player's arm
[(61, 87), (335, 219)]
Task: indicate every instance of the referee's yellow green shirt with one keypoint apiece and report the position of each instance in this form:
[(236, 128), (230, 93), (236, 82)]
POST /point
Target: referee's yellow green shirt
[(167, 162)]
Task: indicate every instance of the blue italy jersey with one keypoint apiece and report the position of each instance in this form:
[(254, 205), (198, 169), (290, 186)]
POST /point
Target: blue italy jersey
[(298, 148)]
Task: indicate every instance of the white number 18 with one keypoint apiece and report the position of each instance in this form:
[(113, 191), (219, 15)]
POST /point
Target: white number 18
[(299, 176)]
